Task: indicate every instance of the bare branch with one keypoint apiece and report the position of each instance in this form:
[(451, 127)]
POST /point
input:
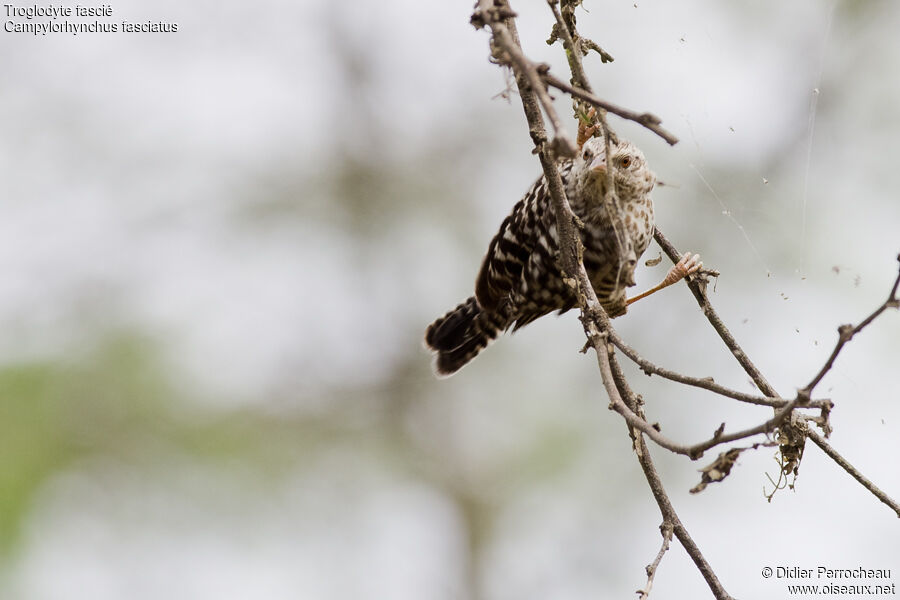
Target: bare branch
[(666, 530), (696, 451), (846, 333), (648, 120), (706, 383), (699, 292)]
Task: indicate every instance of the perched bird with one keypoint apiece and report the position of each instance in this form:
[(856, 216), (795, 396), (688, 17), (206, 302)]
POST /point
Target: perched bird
[(520, 278)]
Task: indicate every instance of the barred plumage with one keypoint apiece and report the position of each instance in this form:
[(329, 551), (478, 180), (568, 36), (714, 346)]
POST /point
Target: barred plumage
[(520, 278)]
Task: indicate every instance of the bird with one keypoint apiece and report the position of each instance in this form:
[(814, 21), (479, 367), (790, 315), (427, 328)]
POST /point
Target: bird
[(520, 279)]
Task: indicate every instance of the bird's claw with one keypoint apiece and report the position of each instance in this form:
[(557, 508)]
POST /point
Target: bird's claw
[(688, 265)]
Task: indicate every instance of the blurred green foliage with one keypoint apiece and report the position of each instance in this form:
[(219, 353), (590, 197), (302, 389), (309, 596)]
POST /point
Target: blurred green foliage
[(53, 414)]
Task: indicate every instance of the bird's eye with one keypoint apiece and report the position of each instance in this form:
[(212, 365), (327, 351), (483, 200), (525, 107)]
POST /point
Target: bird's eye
[(587, 155), (626, 161)]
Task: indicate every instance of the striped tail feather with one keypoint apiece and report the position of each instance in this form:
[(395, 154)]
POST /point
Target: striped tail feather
[(462, 333)]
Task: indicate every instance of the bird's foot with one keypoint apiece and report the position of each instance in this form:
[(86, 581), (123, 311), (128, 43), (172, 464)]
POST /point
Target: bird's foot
[(688, 265)]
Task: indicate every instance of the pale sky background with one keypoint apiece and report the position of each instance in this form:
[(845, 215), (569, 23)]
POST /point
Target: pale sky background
[(223, 246)]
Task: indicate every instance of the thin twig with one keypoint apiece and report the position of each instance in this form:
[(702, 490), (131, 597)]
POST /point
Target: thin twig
[(666, 530), (694, 451), (846, 333), (681, 532), (706, 383), (842, 462), (645, 119), (699, 292)]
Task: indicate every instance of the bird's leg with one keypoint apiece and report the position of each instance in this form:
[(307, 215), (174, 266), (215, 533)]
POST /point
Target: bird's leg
[(586, 127), (689, 264)]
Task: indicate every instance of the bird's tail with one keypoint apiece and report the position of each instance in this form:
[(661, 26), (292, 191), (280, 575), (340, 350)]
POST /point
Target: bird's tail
[(462, 333)]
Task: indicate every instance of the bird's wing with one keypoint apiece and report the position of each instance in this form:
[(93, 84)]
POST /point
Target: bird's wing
[(511, 248)]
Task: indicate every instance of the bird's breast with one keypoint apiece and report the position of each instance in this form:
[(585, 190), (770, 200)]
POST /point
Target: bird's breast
[(639, 221)]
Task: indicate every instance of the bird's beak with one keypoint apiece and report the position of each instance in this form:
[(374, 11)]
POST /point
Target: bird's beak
[(598, 165)]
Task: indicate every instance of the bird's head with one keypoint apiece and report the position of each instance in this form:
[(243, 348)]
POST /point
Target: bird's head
[(631, 175)]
